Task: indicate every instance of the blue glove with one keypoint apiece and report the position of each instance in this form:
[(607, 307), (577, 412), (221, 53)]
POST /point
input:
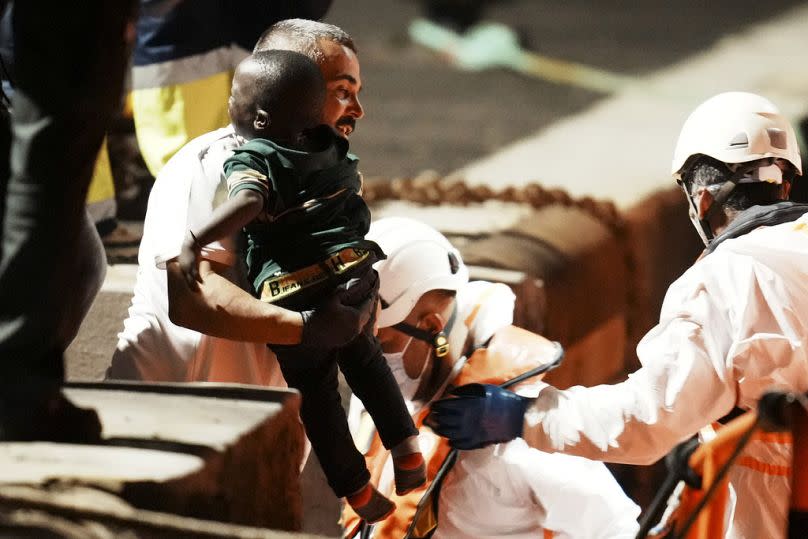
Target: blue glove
[(479, 415)]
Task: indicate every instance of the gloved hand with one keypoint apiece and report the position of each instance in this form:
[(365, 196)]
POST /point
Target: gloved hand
[(340, 318), (479, 415)]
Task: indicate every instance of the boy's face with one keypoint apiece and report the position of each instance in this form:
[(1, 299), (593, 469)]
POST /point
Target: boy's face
[(343, 83), (239, 105)]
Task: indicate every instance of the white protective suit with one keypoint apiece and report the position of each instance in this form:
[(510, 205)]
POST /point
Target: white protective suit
[(150, 346), (732, 327), (511, 490)]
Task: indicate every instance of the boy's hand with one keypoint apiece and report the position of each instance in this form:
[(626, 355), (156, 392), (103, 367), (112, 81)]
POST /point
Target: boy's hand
[(189, 260)]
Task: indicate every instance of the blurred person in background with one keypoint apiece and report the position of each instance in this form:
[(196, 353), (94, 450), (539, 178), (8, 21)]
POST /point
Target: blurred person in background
[(734, 326), (438, 330), (183, 64), (51, 262), (101, 202), (458, 15), (217, 331)]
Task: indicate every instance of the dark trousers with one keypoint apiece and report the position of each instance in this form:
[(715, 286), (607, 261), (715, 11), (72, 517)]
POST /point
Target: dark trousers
[(313, 372)]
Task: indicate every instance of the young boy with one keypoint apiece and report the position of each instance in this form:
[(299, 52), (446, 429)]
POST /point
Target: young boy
[(294, 189)]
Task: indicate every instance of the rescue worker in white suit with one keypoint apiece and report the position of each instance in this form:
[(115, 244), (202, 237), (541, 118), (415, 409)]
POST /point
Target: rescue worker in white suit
[(436, 329), (733, 326)]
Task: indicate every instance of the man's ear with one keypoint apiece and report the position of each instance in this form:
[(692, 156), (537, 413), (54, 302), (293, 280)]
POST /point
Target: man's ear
[(261, 120), (704, 199), (786, 186), (432, 322)]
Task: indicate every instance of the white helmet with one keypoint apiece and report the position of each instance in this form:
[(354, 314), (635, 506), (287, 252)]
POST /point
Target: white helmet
[(419, 259), (736, 127)]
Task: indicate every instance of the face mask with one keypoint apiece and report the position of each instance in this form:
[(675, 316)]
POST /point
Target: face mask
[(439, 346), (408, 385)]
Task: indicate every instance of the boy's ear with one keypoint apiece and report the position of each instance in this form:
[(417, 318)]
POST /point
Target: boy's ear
[(261, 120)]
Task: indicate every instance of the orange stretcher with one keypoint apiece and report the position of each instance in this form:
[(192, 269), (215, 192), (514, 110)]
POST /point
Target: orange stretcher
[(700, 473)]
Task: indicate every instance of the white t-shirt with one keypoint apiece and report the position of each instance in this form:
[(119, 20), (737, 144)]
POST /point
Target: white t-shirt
[(150, 347)]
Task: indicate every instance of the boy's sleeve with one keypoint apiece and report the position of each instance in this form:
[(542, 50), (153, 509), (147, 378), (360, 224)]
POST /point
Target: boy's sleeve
[(247, 169)]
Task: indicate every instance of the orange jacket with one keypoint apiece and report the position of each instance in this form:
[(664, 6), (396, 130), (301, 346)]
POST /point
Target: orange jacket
[(714, 454), (511, 352)]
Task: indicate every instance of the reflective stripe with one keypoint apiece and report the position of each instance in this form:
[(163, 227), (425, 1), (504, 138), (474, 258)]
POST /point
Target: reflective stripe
[(187, 69), (168, 118), (284, 285), (763, 467), (773, 437), (101, 192)]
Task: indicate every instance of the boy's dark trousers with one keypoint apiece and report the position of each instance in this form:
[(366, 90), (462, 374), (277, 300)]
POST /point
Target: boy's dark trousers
[(313, 372)]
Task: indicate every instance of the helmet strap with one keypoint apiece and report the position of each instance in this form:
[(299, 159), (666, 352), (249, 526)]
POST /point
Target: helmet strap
[(438, 339), (702, 226), (719, 199)]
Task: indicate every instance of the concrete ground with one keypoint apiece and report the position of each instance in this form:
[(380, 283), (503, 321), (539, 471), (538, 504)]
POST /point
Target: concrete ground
[(422, 114)]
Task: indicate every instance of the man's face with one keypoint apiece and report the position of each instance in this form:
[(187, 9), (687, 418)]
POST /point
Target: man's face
[(416, 352), (343, 83), (431, 313)]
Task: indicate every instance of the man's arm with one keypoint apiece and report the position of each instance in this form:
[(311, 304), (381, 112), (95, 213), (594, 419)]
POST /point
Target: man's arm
[(219, 308), (684, 384)]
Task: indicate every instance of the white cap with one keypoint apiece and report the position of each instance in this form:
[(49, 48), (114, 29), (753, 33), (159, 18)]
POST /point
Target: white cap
[(419, 259), (736, 127)]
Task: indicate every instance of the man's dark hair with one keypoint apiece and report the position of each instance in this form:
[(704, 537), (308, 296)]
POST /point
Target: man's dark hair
[(304, 36), (707, 171), (289, 86)]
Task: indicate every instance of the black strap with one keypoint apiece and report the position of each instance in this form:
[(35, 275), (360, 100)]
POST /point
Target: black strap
[(424, 335)]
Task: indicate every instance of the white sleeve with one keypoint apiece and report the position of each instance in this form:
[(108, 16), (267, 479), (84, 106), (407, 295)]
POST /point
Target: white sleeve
[(580, 497), (485, 308), (204, 188), (686, 382)]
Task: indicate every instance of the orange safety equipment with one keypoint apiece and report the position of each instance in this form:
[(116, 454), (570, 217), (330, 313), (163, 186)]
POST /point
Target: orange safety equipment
[(511, 352)]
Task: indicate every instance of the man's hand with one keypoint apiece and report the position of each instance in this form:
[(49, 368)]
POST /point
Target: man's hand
[(479, 415), (341, 317)]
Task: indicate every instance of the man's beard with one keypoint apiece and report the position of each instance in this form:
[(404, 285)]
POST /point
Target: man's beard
[(346, 125)]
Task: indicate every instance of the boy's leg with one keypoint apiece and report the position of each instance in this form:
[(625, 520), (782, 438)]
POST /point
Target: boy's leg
[(323, 416), (367, 373), (327, 429)]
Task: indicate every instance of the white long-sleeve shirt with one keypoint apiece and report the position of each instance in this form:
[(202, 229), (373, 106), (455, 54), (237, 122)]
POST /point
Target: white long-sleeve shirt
[(150, 346), (733, 326)]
